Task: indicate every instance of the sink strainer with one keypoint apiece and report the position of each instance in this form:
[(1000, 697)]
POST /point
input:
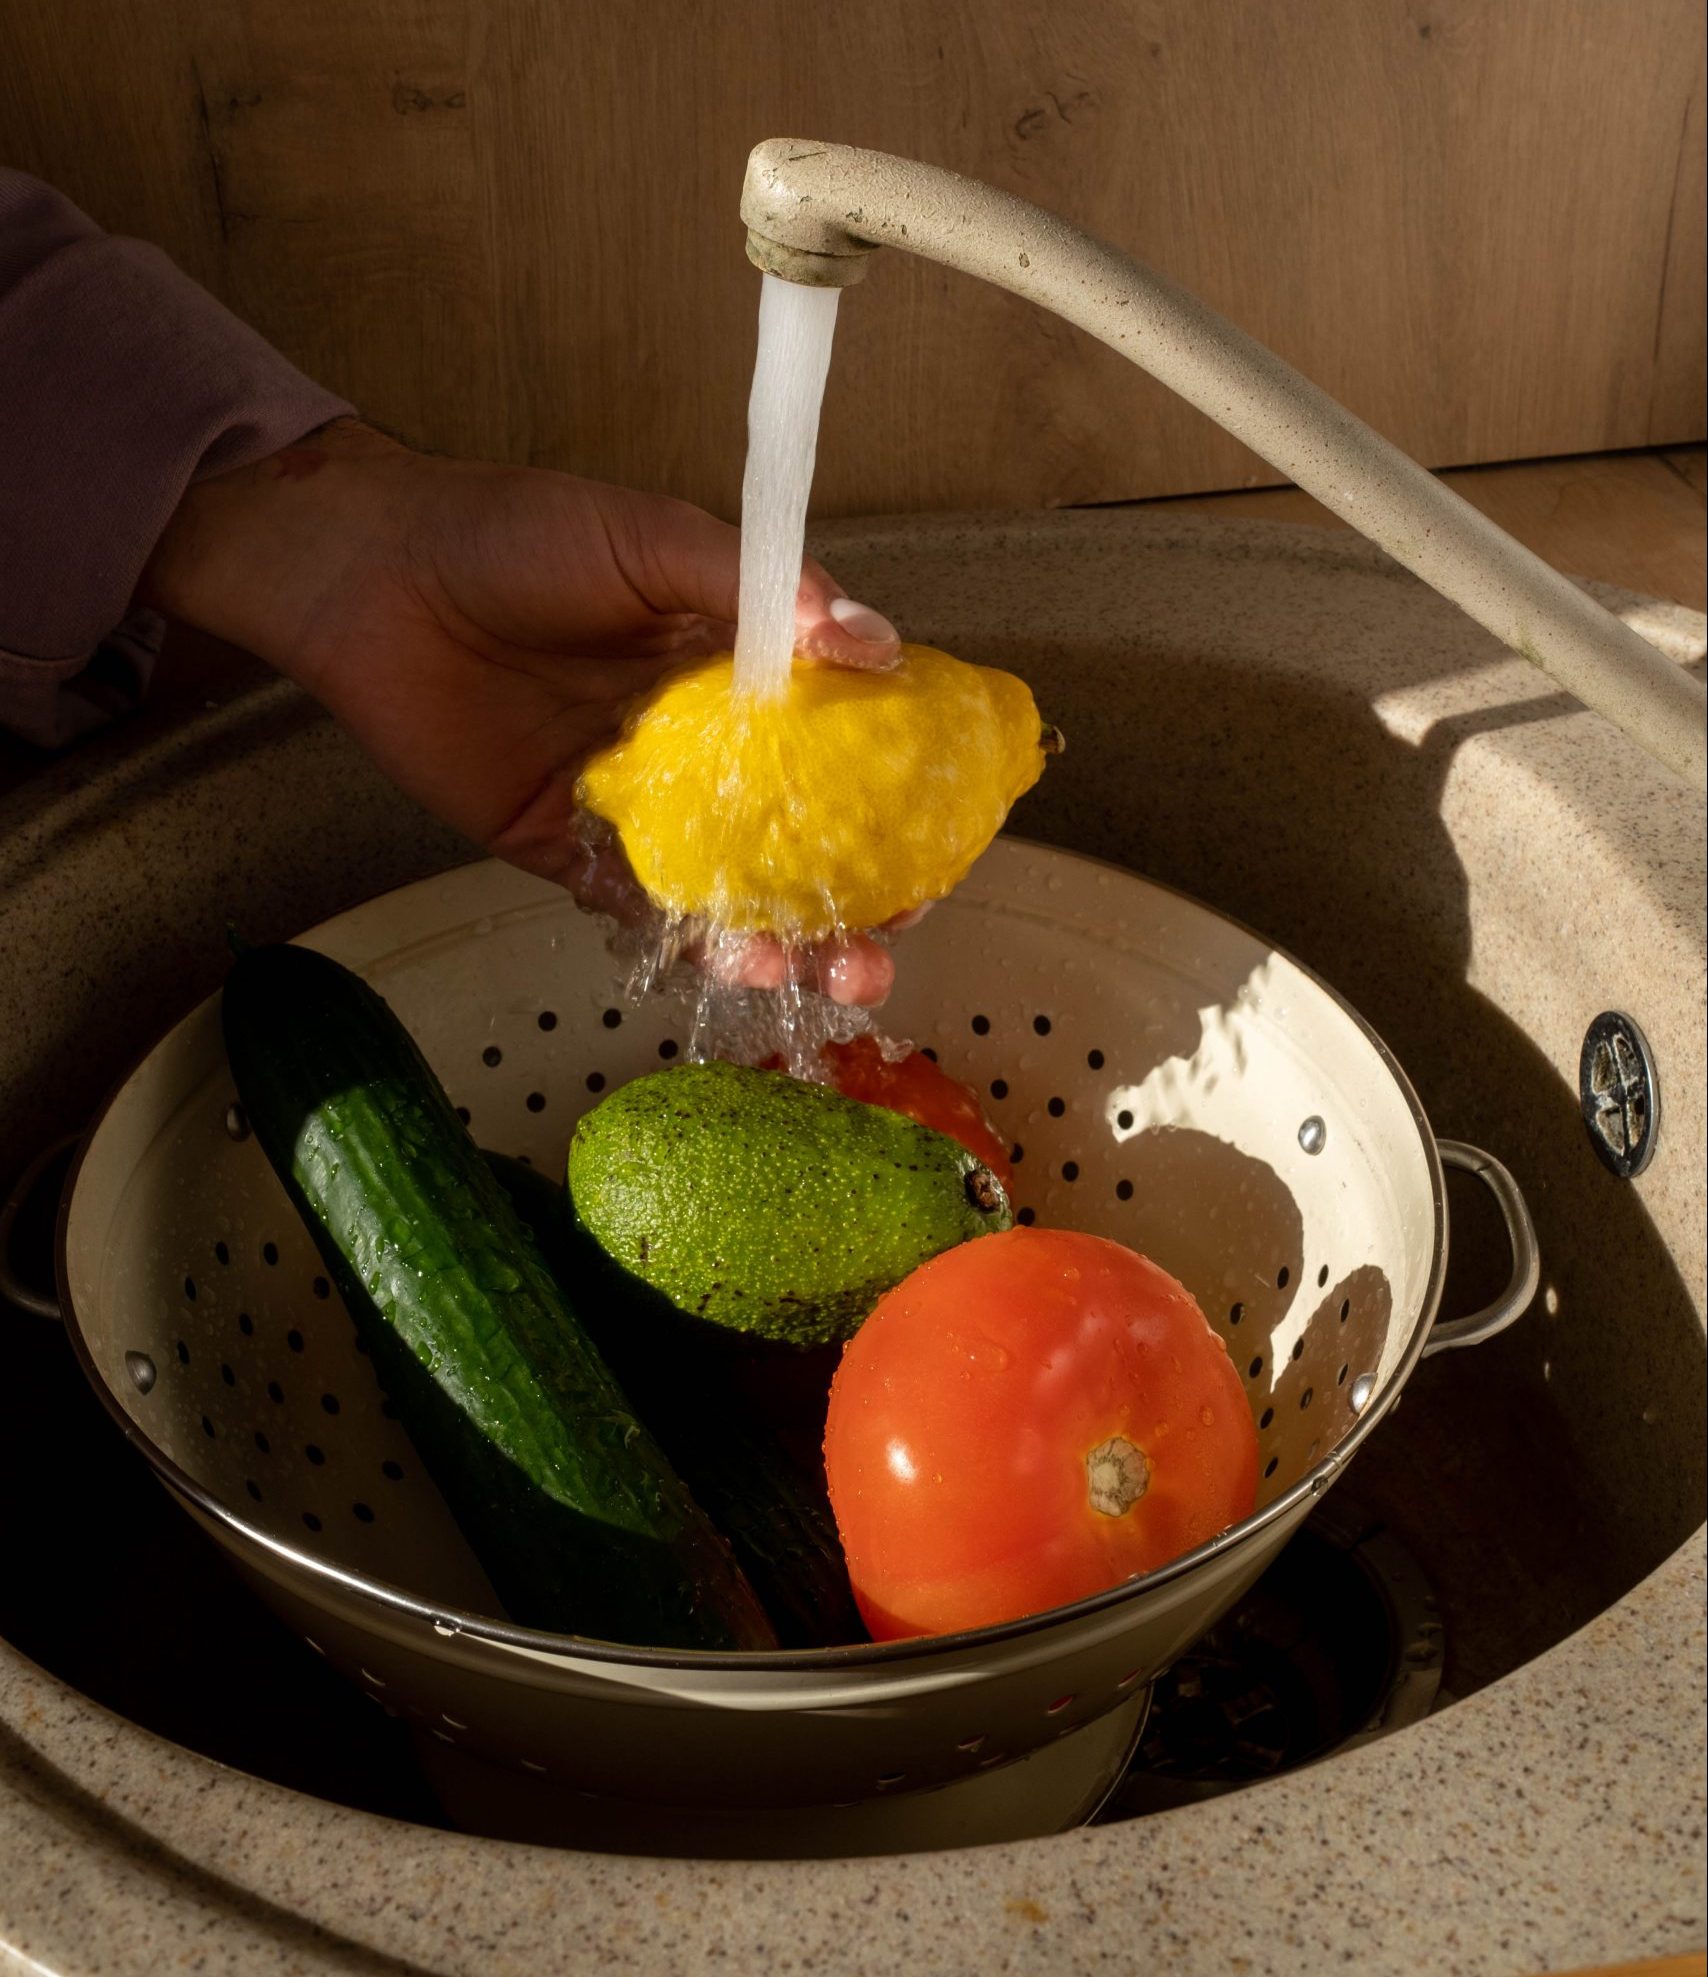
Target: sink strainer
[(1165, 1077)]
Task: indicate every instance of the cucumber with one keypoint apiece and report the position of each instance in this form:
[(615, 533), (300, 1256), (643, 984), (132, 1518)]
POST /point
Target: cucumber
[(775, 1514), (569, 1504)]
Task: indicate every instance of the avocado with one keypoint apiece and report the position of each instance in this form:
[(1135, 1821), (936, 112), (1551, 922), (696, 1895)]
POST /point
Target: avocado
[(766, 1205)]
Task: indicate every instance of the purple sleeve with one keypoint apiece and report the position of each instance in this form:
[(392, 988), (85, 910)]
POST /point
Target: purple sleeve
[(121, 382)]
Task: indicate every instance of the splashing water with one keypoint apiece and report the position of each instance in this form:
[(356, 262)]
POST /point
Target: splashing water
[(796, 328)]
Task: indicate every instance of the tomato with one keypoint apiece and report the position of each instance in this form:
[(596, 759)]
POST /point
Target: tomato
[(1026, 1420), (918, 1087)]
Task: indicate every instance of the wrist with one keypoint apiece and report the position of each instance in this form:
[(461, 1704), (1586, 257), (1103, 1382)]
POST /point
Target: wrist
[(255, 556)]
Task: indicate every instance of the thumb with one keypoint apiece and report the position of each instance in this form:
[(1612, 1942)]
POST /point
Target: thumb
[(831, 626), (683, 560)]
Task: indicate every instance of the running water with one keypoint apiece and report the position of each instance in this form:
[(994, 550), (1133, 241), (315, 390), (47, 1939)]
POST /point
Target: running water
[(693, 961), (796, 326)]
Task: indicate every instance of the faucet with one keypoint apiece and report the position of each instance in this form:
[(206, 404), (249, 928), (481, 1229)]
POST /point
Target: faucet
[(815, 213)]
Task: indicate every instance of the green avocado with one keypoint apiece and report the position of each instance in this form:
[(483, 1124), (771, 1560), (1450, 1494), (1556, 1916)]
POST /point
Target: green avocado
[(767, 1205)]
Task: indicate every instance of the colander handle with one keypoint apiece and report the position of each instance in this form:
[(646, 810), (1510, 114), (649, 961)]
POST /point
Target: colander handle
[(1521, 1286), (12, 1285)]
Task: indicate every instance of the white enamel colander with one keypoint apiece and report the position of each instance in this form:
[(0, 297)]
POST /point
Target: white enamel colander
[(1166, 1078)]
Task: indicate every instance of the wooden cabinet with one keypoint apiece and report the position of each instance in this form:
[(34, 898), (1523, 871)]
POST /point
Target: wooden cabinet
[(508, 227)]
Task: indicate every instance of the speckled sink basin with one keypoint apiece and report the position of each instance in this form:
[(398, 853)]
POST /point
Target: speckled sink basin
[(1277, 721)]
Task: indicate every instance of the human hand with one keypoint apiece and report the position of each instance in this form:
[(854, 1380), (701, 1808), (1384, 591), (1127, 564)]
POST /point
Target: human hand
[(480, 629)]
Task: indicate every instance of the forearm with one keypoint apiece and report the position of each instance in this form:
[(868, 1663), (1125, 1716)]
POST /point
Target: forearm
[(254, 555)]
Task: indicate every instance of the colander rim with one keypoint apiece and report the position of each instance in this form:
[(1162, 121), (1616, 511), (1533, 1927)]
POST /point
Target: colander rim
[(461, 1624)]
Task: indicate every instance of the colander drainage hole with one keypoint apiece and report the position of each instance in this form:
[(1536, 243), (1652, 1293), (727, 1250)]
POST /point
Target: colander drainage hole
[(1070, 1170), (1094, 1058), (668, 1049), (535, 1101), (236, 1122), (208, 1428), (1123, 1190), (612, 1019), (1322, 1276), (254, 1488), (221, 1253), (183, 1353), (973, 1745), (313, 1522), (275, 1393), (246, 1324), (321, 1287), (1025, 1217), (270, 1253), (363, 1514), (1266, 1417), (547, 1019), (1306, 1398), (492, 1057), (463, 1114), (1042, 1025), (392, 1471), (315, 1454), (1127, 1680), (1235, 1313), (981, 1026), (228, 1376), (595, 1081), (999, 1087), (927, 1051), (1283, 1277), (1272, 1465), (1255, 1367), (1056, 1107), (1124, 1122), (262, 1443), (294, 1339), (329, 1403), (1345, 1309), (1340, 1377), (190, 1289), (1055, 1708), (890, 1778)]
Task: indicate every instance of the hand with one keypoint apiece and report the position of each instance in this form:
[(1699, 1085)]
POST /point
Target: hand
[(480, 630)]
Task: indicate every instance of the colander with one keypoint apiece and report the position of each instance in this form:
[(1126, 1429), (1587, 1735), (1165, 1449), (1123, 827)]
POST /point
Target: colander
[(1166, 1077)]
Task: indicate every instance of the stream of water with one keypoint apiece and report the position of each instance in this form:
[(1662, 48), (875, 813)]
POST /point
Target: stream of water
[(692, 960), (796, 327)]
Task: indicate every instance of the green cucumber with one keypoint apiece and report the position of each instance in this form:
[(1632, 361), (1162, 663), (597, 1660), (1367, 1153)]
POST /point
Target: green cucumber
[(776, 1515), (579, 1520)]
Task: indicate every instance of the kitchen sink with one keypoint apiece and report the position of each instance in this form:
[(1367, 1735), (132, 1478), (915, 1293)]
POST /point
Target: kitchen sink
[(1274, 720)]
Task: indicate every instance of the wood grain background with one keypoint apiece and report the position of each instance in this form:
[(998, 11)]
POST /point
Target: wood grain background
[(508, 227)]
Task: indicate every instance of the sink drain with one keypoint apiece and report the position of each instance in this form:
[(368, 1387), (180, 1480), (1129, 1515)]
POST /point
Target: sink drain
[(1339, 1643), (1619, 1093)]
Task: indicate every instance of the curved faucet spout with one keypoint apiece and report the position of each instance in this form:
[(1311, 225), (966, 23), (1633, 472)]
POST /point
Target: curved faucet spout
[(814, 212)]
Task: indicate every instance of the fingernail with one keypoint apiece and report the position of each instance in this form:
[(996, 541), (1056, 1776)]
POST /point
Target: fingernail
[(862, 622)]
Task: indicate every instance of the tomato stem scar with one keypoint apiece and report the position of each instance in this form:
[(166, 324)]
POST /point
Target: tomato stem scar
[(1116, 1476)]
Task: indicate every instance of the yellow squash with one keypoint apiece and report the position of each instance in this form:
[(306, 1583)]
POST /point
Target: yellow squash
[(851, 798)]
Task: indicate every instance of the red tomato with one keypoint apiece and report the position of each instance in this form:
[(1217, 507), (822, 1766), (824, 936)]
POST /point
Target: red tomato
[(916, 1086), (1026, 1420)]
